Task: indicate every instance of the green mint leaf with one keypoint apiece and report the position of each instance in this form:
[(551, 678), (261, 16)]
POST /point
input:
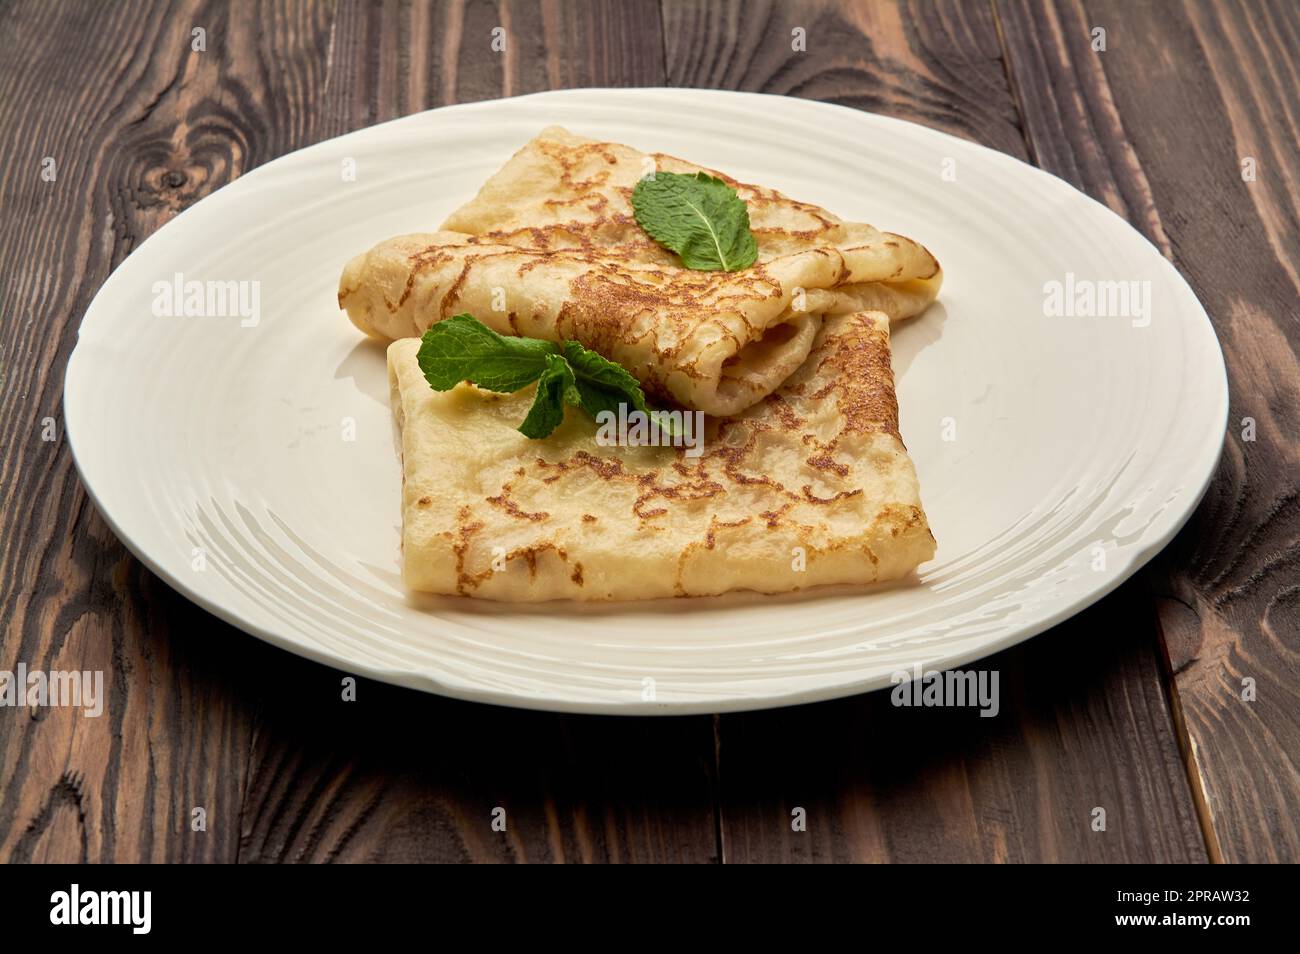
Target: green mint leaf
[(464, 349), (604, 385), (555, 389), (699, 217)]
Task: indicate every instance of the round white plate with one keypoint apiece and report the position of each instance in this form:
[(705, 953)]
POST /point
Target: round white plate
[(249, 461)]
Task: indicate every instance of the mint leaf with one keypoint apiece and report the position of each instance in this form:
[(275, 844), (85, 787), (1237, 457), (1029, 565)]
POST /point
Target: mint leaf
[(464, 349), (604, 385), (699, 217), (555, 389)]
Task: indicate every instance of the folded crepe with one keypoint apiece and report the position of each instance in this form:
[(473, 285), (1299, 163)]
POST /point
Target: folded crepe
[(550, 248), (810, 486)]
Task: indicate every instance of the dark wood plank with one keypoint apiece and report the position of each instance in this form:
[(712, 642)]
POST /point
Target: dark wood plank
[(881, 783), (1083, 724), (401, 777), (352, 781), (139, 125), (1158, 127), (934, 63), (199, 714), (391, 59)]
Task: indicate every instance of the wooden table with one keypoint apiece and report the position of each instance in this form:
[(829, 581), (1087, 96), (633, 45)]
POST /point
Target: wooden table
[(1135, 706)]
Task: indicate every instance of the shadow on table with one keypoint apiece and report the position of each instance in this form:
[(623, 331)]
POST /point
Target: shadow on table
[(401, 776)]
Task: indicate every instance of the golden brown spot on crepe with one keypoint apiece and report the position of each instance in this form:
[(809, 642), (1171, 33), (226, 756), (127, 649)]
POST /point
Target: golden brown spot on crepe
[(427, 258), (529, 555), (424, 502), (504, 502), (824, 459), (589, 518), (449, 299), (716, 524), (696, 487), (826, 462), (902, 518), (862, 381), (606, 469), (576, 576), (773, 517), (809, 496), (464, 531), (679, 586), (592, 203), (560, 469), (568, 158), (733, 457), (789, 419)]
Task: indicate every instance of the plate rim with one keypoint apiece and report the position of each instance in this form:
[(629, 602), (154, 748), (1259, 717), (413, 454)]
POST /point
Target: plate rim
[(634, 706)]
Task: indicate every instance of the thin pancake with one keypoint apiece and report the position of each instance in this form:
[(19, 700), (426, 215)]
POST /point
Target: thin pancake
[(550, 249), (810, 486)]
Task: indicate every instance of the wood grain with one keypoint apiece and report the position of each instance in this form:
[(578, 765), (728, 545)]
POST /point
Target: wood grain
[(138, 125), (1108, 711), (333, 782), (399, 776), (1158, 126), (391, 59), (934, 63), (1083, 725), (200, 715), (881, 783)]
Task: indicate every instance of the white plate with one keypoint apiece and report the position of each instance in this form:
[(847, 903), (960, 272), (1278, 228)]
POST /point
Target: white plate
[(217, 448)]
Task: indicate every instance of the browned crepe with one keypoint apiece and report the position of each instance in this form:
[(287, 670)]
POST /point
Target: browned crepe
[(550, 249), (810, 486)]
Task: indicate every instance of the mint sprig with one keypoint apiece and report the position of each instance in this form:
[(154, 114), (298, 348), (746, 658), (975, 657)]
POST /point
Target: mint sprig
[(699, 217), (555, 388), (462, 348), (602, 385)]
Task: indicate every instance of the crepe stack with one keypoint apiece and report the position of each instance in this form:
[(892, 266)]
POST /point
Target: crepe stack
[(804, 479), (550, 248), (810, 486)]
